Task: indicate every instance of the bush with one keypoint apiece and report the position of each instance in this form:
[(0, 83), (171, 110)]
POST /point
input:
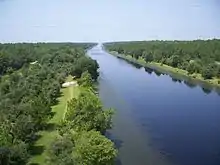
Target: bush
[(92, 148), (208, 73)]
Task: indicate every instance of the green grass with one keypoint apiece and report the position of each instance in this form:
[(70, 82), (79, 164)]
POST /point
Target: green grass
[(168, 69), (51, 133)]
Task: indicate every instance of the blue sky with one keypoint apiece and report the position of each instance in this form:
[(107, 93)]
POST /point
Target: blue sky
[(108, 20)]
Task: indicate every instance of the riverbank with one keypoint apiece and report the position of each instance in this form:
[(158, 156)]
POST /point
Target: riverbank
[(163, 68), (48, 135)]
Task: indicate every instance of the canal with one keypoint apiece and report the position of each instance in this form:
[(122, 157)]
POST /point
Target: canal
[(159, 120)]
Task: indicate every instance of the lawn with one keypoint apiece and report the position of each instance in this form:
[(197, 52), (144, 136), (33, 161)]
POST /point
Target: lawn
[(51, 133)]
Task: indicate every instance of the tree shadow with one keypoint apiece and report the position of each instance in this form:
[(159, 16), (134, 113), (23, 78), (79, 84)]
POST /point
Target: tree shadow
[(50, 127), (36, 150), (52, 114), (57, 101), (34, 138)]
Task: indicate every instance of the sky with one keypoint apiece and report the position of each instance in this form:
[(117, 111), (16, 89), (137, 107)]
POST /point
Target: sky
[(108, 20)]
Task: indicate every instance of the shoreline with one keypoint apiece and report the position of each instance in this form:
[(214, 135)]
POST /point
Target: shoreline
[(163, 68)]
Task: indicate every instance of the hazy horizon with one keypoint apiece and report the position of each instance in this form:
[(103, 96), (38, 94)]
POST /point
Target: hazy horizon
[(108, 21)]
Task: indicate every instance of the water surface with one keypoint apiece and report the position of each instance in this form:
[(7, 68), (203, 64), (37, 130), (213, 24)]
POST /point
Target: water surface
[(159, 119)]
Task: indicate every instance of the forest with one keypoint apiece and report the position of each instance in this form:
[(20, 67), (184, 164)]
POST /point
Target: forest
[(196, 57), (30, 82)]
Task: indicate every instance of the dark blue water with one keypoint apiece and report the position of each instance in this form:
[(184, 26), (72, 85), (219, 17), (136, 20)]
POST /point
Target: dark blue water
[(158, 120)]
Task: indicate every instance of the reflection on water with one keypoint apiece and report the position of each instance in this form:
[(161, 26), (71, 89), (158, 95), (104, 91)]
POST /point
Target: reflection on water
[(190, 84), (148, 70), (138, 66), (176, 80), (207, 88), (158, 73)]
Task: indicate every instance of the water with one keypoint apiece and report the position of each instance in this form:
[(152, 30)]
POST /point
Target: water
[(159, 120)]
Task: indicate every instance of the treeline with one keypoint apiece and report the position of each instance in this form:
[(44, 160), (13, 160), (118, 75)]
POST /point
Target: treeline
[(199, 56), (28, 90), (14, 56), (81, 138)]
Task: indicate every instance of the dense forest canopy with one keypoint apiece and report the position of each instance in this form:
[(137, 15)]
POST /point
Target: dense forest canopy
[(198, 56), (30, 81), (14, 56)]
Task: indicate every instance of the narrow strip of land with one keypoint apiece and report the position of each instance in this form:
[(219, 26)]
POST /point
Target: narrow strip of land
[(48, 135)]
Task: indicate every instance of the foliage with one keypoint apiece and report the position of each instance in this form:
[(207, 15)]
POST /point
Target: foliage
[(208, 72), (194, 56), (28, 90), (85, 64), (82, 148), (85, 80), (60, 152), (86, 113), (92, 148), (85, 122)]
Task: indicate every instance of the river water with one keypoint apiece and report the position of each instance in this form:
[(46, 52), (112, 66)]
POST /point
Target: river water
[(158, 120)]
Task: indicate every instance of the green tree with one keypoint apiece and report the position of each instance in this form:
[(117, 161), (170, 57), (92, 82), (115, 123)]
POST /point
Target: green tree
[(60, 152), (86, 113), (92, 148), (85, 80), (148, 56), (208, 73)]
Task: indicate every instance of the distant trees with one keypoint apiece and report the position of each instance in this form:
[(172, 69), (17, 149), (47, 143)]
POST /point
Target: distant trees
[(194, 56), (148, 56), (85, 64), (209, 72)]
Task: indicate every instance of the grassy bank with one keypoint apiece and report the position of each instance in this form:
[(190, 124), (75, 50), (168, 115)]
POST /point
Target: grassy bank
[(51, 133), (168, 69)]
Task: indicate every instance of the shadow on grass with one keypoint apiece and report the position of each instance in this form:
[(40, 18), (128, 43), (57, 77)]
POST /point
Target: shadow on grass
[(34, 164), (56, 100), (50, 127), (36, 150)]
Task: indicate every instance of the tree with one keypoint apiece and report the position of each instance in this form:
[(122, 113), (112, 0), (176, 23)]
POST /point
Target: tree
[(27, 91), (92, 148), (148, 56), (174, 53), (14, 155), (60, 152), (175, 60), (86, 64), (86, 113), (85, 80), (193, 67), (208, 73)]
